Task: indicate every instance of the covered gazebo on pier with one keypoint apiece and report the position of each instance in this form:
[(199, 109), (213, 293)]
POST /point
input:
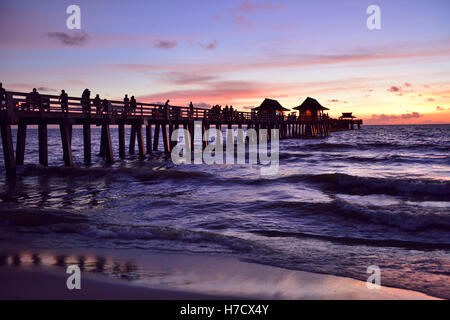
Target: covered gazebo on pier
[(347, 115), (310, 110), (270, 107)]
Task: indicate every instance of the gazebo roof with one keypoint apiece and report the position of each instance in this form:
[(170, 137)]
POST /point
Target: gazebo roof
[(310, 104), (270, 105), (347, 115)]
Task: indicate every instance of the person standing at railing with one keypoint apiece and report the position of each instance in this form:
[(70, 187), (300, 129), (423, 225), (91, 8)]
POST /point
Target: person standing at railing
[(86, 101), (167, 110), (133, 105), (2, 95), (64, 100), (126, 104), (105, 106), (191, 110), (98, 104), (33, 100)]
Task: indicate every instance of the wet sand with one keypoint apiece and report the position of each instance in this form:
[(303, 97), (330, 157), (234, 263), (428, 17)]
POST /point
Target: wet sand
[(133, 274)]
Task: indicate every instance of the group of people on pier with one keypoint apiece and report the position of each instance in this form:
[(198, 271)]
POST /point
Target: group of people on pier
[(103, 106), (227, 113), (34, 101)]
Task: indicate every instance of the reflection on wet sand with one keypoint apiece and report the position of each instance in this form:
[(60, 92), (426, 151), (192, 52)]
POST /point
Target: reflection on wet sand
[(95, 264)]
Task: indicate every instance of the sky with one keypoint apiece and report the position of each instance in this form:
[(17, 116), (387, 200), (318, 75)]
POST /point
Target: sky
[(238, 52)]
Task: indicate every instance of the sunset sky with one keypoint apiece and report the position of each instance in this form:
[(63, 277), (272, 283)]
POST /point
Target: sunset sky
[(238, 52)]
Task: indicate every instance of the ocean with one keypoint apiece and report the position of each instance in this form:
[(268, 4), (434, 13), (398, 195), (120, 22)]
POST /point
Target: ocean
[(377, 196)]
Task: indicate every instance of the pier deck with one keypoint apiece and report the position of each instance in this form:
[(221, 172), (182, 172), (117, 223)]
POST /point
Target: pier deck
[(158, 120)]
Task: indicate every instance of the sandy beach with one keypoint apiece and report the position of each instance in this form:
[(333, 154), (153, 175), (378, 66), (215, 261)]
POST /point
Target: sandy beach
[(130, 274)]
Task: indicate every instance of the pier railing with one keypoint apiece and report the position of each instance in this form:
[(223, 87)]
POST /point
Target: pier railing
[(51, 104)]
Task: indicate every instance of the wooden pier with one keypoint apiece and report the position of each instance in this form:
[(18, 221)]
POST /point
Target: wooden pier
[(158, 120)]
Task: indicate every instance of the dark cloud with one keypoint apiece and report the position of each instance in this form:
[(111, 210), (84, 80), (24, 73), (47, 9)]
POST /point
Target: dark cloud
[(46, 89), (407, 84), (394, 89), (165, 44), (438, 108), (396, 116), (430, 99), (210, 46), (77, 39)]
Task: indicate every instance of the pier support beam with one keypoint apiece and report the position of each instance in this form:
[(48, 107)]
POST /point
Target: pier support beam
[(20, 147), (43, 144), (165, 137), (132, 139), (87, 142), (8, 150), (148, 133), (65, 130), (107, 143), (140, 141), (156, 137), (121, 141)]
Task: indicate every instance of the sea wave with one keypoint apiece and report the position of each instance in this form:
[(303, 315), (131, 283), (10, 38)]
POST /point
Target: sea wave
[(375, 185)]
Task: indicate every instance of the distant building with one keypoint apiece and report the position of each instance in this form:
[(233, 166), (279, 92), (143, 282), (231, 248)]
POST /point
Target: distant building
[(311, 109), (270, 107)]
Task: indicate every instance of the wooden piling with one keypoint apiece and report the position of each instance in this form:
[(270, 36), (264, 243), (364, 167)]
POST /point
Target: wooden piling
[(21, 140), (65, 130), (148, 133), (87, 142), (121, 140), (165, 137), (140, 141), (107, 144), (43, 144), (8, 150), (132, 139), (156, 137)]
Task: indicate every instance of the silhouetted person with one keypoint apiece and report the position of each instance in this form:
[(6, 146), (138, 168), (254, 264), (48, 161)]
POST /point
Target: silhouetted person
[(98, 104), (105, 106), (133, 105), (2, 94), (126, 104), (64, 100), (36, 259), (191, 110), (167, 109), (86, 101), (34, 99)]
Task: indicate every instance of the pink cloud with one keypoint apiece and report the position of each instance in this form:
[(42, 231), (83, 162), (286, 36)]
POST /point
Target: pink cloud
[(287, 61), (384, 117), (181, 78), (248, 6)]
